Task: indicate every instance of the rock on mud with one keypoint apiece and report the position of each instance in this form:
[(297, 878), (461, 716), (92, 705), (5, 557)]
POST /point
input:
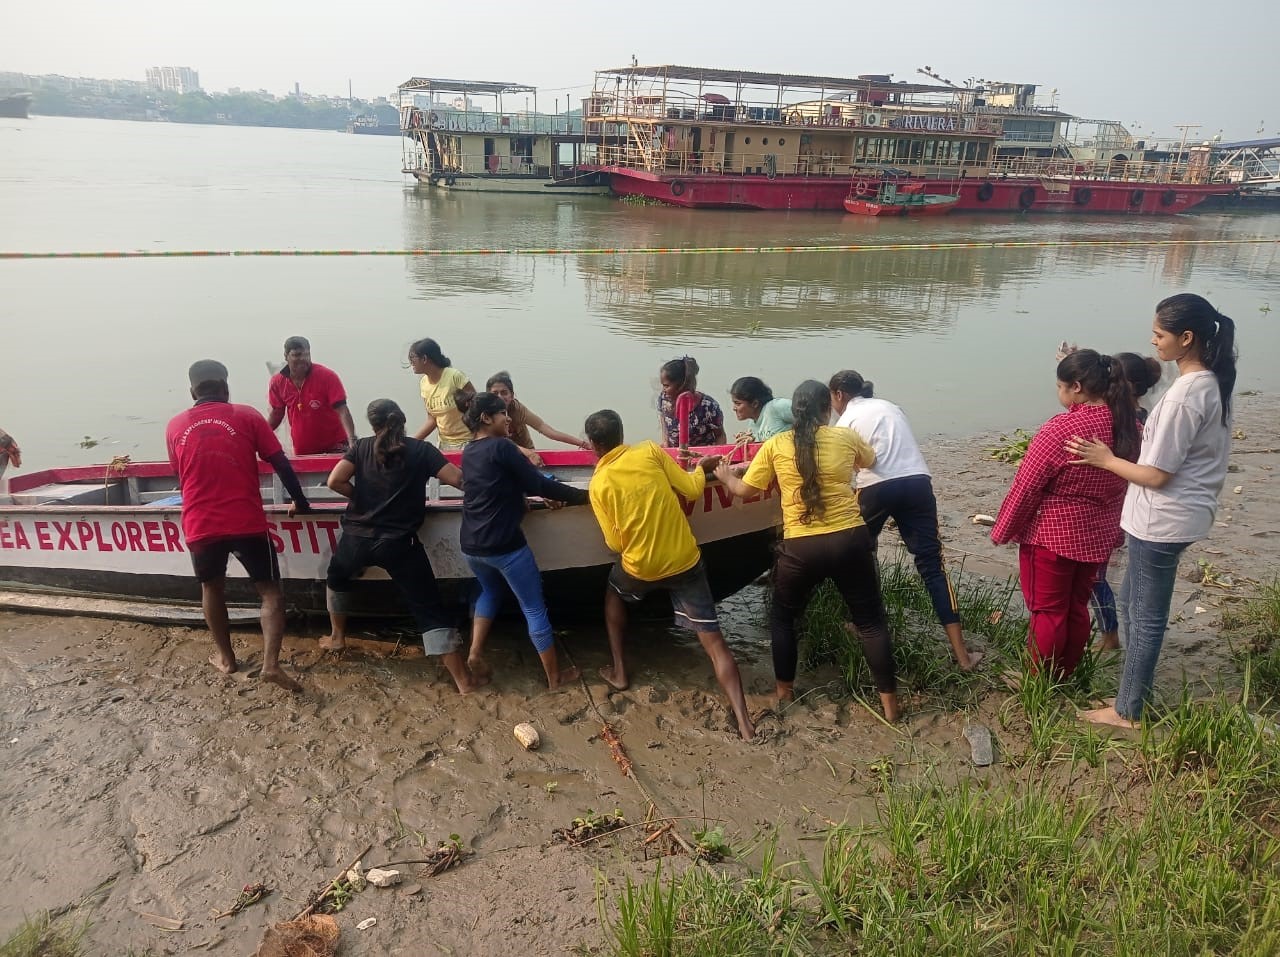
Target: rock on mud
[(527, 735), (382, 878)]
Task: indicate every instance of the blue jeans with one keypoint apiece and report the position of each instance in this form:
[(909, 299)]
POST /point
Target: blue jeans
[(1145, 598), (518, 571)]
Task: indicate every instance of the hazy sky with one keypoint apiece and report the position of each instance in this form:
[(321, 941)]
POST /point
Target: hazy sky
[(1149, 65)]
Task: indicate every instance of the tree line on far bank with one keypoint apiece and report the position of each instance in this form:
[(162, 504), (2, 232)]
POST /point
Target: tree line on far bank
[(231, 109)]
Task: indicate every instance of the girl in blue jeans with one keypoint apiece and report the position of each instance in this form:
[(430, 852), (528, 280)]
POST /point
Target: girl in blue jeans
[(1173, 487), (496, 478)]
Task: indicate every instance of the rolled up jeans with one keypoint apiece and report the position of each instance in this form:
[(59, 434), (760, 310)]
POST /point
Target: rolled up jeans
[(1145, 598)]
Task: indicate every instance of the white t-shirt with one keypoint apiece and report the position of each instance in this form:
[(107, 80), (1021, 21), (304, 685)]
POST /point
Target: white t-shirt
[(1186, 437), (885, 428)]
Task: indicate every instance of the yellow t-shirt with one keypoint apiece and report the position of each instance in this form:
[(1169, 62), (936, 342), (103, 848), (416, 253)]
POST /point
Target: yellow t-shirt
[(438, 399), (840, 452), (641, 518)]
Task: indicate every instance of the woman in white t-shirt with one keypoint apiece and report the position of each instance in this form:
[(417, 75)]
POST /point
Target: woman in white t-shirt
[(900, 486), (1174, 485)]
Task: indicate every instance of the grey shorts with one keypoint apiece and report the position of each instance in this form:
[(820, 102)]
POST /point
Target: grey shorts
[(690, 592), (441, 641)]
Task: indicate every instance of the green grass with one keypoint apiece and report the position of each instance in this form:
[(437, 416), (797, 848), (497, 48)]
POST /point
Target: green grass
[(1253, 626), (1165, 844), (46, 936)]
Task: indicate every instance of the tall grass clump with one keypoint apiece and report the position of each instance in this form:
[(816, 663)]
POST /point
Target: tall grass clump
[(1255, 630), (46, 936), (1171, 845)]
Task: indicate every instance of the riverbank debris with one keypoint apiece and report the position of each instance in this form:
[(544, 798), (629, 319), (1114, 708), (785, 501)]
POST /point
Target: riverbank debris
[(313, 936), (610, 737), (590, 826), (527, 735), (380, 877), (250, 894), (334, 895), (980, 748)]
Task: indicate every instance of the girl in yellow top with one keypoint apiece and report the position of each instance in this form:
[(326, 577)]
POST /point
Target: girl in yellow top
[(823, 536), (439, 382)]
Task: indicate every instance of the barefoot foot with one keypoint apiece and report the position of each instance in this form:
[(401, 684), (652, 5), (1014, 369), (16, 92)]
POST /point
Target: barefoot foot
[(617, 684), (1108, 716), (227, 666), (478, 666), (278, 677), (971, 661), (475, 683), (567, 677), (330, 643)]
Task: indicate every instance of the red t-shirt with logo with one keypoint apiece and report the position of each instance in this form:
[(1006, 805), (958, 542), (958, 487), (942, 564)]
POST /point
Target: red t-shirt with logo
[(313, 421), (214, 447)]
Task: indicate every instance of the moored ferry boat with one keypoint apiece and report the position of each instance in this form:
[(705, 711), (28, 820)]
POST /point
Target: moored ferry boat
[(109, 541), (703, 137), (459, 136)]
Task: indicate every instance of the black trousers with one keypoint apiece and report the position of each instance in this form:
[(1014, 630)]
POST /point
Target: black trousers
[(910, 502), (848, 558), (404, 559)]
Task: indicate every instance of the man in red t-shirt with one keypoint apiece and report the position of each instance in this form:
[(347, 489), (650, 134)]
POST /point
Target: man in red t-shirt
[(312, 396), (214, 448)]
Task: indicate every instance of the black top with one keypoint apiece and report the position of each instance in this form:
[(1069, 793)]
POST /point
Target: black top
[(496, 478), (391, 500)]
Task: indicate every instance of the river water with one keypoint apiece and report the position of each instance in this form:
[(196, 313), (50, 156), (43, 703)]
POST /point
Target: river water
[(95, 351)]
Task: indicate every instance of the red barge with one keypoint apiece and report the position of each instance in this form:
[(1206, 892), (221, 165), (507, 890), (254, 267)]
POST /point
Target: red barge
[(698, 137)]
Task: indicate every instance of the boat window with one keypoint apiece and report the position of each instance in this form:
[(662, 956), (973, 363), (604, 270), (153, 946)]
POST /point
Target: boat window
[(747, 140), (765, 141), (782, 141)]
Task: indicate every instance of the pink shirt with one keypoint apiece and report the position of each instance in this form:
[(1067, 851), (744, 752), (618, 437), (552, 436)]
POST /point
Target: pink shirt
[(1072, 510), (314, 425), (214, 448)]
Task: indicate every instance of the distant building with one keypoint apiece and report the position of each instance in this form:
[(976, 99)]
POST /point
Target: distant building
[(173, 79)]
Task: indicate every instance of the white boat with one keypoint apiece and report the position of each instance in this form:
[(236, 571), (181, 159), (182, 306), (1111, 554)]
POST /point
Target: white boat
[(95, 540)]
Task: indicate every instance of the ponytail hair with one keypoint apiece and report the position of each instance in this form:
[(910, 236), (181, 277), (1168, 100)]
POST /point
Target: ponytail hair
[(1213, 334), (1143, 372), (682, 372), (811, 408), (1102, 377), (388, 423), (850, 383), (474, 406), (429, 349)]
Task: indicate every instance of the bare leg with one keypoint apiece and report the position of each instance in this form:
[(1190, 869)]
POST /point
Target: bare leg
[(785, 691), (730, 680), (889, 702), (480, 628), (1110, 641), (462, 676), (213, 598), (272, 616), (336, 640), (615, 620), (966, 659), (551, 665)]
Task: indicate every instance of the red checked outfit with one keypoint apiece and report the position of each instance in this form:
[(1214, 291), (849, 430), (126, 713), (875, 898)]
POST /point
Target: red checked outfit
[(1066, 518)]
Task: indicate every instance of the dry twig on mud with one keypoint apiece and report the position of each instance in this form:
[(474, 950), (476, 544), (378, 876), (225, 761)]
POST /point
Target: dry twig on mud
[(249, 895), (322, 896), (610, 737)]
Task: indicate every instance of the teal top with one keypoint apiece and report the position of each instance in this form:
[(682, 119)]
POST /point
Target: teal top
[(775, 417)]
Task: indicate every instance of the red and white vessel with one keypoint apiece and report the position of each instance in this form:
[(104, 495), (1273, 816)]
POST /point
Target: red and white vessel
[(108, 541), (701, 137), (893, 200)]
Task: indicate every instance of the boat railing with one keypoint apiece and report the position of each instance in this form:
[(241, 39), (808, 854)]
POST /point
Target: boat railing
[(657, 158), (1127, 171), (480, 164), (446, 120)]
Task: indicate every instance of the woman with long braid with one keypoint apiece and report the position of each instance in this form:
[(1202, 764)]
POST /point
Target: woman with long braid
[(823, 536)]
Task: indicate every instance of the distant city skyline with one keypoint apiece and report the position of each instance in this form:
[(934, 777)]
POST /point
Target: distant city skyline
[(1152, 69)]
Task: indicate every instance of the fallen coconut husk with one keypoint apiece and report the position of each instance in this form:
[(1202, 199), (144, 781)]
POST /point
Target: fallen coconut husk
[(312, 936)]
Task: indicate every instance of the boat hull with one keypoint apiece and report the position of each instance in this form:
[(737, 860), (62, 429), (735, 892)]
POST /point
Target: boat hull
[(510, 183), (870, 207), (16, 107), (133, 553), (1015, 194)]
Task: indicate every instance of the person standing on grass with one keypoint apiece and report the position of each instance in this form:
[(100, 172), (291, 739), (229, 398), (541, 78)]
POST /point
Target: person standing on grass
[(900, 486), (312, 397), (633, 494), (1143, 372), (440, 380), (214, 449), (1067, 520), (497, 479), (824, 536), (385, 477), (1173, 489)]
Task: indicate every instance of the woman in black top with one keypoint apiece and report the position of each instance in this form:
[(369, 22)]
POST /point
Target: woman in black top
[(498, 477), (385, 477)]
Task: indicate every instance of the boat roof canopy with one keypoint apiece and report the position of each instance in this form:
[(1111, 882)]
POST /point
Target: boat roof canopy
[(1267, 144), (750, 78), (435, 85)]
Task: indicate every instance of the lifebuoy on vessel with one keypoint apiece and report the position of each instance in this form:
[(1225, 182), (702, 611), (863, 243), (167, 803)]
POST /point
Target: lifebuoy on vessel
[(1168, 198), (450, 180), (985, 192), (1136, 197), (434, 178), (1027, 198), (434, 118), (677, 187), (1083, 195)]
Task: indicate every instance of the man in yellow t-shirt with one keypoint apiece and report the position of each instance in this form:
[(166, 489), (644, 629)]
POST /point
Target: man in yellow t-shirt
[(633, 494)]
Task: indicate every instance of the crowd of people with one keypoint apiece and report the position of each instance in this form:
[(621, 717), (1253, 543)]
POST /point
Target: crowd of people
[(1089, 473)]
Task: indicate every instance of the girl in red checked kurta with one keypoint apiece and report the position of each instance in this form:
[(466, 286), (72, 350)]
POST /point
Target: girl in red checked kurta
[(1066, 518)]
